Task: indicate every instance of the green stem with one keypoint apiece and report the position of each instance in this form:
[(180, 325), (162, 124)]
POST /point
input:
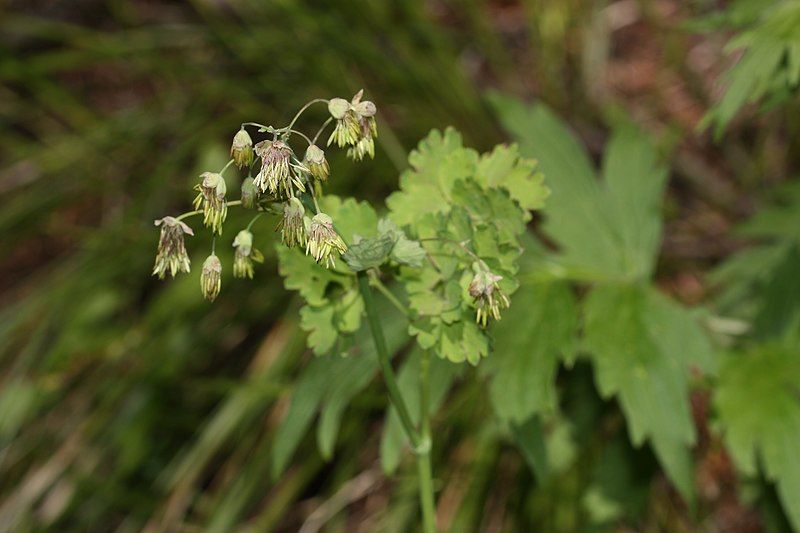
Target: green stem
[(321, 129), (426, 497), (312, 102), (301, 134), (421, 446), (250, 225), (198, 211), (229, 163), (383, 289)]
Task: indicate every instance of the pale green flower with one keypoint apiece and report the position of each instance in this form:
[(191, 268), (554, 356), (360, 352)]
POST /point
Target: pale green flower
[(171, 256), (487, 295), (212, 199), (324, 244), (211, 277), (245, 255), (293, 226), (242, 149)]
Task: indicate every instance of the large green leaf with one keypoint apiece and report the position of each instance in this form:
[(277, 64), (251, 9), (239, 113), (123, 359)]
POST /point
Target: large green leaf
[(539, 325), (758, 401), (609, 229), (642, 346)]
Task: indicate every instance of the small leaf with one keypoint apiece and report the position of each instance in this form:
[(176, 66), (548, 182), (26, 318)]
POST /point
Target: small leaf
[(319, 322), (368, 253)]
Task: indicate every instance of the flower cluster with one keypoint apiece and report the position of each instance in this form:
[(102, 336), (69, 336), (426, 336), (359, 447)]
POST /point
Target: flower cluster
[(486, 294), (277, 181), (355, 125)]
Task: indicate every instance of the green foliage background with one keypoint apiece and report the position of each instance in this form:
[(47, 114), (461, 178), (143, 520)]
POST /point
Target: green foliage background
[(646, 376)]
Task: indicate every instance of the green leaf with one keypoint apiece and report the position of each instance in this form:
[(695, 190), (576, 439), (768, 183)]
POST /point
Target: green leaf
[(529, 437), (437, 163), (318, 321), (635, 184), (368, 253), (540, 323), (642, 347), (503, 168), (346, 380), (351, 218), (405, 251), (605, 231), (301, 273), (305, 402), (769, 66), (759, 411)]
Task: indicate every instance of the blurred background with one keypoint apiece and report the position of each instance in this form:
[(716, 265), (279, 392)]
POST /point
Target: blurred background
[(128, 404)]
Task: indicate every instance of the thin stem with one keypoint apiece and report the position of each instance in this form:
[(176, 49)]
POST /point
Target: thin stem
[(303, 135), (421, 445), (250, 225), (383, 358), (257, 125), (321, 129), (302, 109), (383, 289), (461, 245), (426, 496), (213, 244), (229, 163), (198, 211), (316, 204)]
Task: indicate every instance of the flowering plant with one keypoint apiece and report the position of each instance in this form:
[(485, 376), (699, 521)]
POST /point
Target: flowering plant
[(445, 255)]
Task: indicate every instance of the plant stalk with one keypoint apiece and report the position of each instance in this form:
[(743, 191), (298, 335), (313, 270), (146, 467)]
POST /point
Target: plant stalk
[(420, 445), (424, 468)]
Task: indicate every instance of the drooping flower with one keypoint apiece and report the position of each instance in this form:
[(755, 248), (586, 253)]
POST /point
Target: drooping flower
[(211, 277), (316, 163), (324, 244), (171, 256), (345, 133), (249, 193), (211, 197), (277, 175), (245, 255), (293, 225), (367, 130), (487, 295), (242, 149)]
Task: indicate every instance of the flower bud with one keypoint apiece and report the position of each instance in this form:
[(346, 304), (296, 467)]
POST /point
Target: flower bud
[(212, 199), (292, 226), (211, 277), (242, 149), (245, 255), (323, 241), (171, 256), (249, 193), (487, 295), (316, 163)]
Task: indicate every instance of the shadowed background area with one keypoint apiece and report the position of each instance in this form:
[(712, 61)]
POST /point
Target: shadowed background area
[(130, 404)]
